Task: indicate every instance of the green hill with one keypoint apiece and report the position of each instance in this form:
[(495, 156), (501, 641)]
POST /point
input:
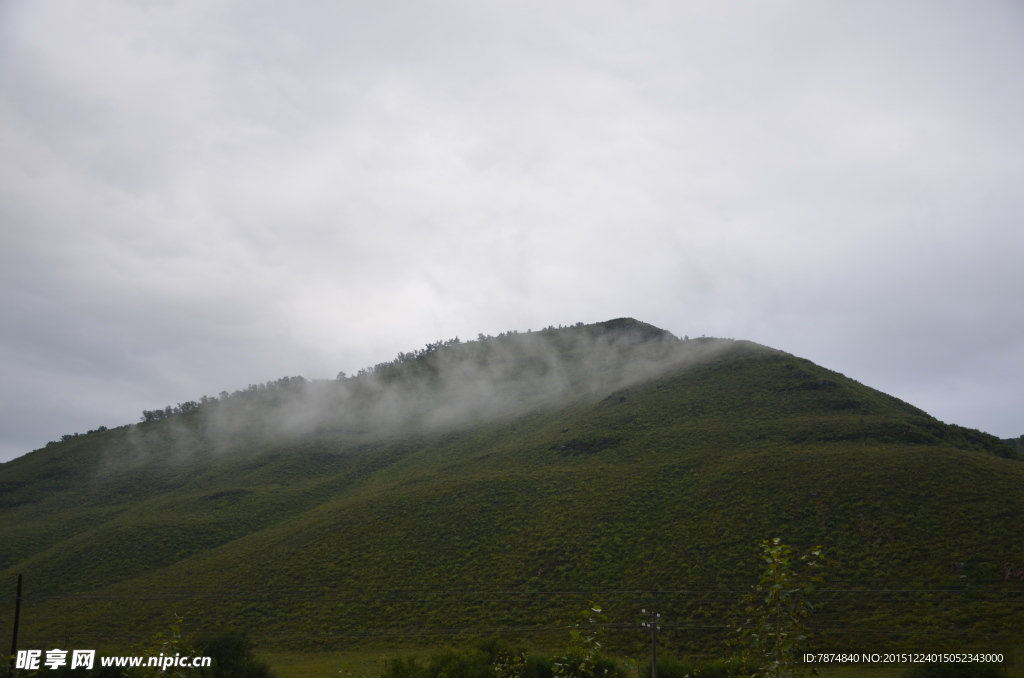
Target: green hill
[(500, 484)]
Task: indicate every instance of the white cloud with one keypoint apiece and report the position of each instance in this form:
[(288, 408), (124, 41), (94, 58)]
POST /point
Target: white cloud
[(199, 195)]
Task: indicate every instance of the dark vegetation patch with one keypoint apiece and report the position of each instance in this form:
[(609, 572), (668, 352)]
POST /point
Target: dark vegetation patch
[(812, 383), (844, 404), (575, 447), (13, 493), (227, 494)]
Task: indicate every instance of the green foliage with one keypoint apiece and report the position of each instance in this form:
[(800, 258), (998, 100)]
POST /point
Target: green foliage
[(1016, 445), (538, 666), (965, 670), (574, 665), (778, 606), (167, 642), (510, 664), (349, 533), (233, 657), (452, 663), (495, 658), (582, 658), (67, 672), (405, 667), (671, 667), (487, 660), (231, 653)]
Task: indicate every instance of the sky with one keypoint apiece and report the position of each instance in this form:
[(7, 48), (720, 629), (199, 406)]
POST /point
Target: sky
[(195, 196)]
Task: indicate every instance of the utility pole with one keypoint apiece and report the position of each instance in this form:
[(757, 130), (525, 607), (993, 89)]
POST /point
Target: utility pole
[(653, 626), (14, 640)]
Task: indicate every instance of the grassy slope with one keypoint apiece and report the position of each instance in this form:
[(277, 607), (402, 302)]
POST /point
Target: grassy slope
[(665, 486)]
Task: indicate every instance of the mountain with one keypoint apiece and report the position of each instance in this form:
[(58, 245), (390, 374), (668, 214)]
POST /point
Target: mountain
[(498, 485)]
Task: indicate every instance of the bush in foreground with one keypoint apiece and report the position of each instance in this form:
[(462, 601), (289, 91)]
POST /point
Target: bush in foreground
[(955, 671)]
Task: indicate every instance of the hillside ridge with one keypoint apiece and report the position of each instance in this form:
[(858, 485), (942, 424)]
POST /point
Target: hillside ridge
[(615, 461)]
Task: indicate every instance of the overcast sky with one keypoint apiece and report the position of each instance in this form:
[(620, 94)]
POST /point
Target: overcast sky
[(199, 195)]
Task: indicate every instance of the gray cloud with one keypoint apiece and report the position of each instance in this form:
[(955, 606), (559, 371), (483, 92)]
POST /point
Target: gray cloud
[(194, 197)]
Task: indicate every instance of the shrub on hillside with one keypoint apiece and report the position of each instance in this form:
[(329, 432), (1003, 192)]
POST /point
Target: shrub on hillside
[(405, 667), (670, 667), (484, 660), (538, 667), (451, 663), (579, 666), (447, 663)]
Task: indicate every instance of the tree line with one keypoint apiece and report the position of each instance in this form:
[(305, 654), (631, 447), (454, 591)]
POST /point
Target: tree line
[(430, 348), (190, 406)]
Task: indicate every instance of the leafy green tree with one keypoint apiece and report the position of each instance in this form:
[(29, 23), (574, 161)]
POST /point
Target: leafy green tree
[(510, 665), (233, 657), (774, 632), (581, 660), (405, 667), (451, 663), (167, 643)]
